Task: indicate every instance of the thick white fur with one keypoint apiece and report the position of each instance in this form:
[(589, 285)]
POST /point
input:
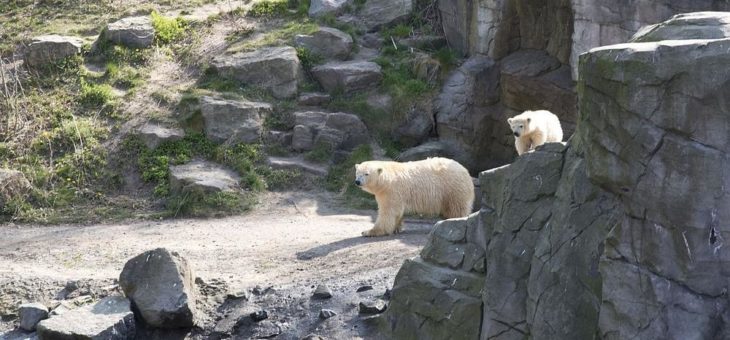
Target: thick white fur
[(435, 186), (535, 128)]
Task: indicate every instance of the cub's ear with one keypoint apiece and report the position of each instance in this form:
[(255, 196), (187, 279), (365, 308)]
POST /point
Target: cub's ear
[(380, 171), (529, 119), (509, 120)]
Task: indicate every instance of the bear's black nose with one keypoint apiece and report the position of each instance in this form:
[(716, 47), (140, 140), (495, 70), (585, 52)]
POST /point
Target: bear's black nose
[(357, 182), (517, 134)]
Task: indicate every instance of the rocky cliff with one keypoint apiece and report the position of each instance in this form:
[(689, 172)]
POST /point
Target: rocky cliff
[(533, 46), (618, 234)]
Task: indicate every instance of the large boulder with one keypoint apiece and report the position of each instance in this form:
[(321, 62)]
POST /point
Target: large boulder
[(274, 68), (340, 131), (327, 42), (134, 32), (233, 121), (111, 318), (319, 8), (376, 13), (202, 176), (348, 76), (48, 49), (30, 314), (469, 116), (687, 26), (152, 135), (13, 184), (160, 284)]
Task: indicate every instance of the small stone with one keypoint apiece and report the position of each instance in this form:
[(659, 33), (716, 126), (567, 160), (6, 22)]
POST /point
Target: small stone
[(387, 294), (364, 288), (325, 314), (259, 315), (51, 48), (237, 295), (111, 318), (31, 314), (134, 32), (373, 307), (322, 292), (264, 330)]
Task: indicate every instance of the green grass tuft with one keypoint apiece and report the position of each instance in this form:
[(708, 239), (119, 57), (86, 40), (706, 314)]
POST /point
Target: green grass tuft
[(167, 29), (269, 9)]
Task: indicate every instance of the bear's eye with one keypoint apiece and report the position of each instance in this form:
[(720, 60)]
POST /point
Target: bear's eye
[(521, 126), (367, 174)]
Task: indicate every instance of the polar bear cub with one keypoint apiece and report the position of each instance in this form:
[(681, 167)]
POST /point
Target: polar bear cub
[(435, 186), (535, 128)]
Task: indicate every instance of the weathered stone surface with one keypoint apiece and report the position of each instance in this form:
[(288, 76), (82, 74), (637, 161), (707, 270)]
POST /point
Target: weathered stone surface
[(298, 163), (319, 8), (13, 184), (281, 138), (327, 42), (376, 13), (348, 76), (135, 32), (342, 131), (425, 42), (418, 126), (322, 292), (274, 68), (468, 115), (430, 149), (30, 314), (687, 26), (152, 135), (233, 121), (202, 176), (372, 307), (160, 284), (313, 99), (48, 49), (325, 314), (111, 318)]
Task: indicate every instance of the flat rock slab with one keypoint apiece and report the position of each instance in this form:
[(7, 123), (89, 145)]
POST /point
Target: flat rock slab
[(377, 13), (202, 176), (134, 32), (341, 131), (313, 99), (109, 319), (698, 25), (327, 42), (235, 121), (297, 163), (273, 68), (319, 8), (152, 135), (348, 76), (48, 49), (160, 283)]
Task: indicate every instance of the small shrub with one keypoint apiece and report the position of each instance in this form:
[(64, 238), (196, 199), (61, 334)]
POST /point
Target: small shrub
[(167, 29), (341, 178), (446, 57), (95, 94), (320, 153), (308, 58), (269, 9), (202, 204), (399, 31)]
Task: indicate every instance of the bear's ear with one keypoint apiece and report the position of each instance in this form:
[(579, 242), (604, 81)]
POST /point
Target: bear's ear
[(529, 119), (509, 120), (380, 171)]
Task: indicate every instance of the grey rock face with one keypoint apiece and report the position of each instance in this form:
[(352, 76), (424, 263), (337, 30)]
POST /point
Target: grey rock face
[(418, 126), (201, 176), (111, 318), (51, 48), (160, 284), (342, 131), (153, 135), (274, 68), (318, 8), (313, 99), (13, 184), (348, 76), (469, 116), (233, 120), (376, 13), (31, 314), (327, 42), (134, 32), (687, 26)]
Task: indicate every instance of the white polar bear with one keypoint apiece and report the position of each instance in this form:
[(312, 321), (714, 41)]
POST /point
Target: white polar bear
[(535, 128)]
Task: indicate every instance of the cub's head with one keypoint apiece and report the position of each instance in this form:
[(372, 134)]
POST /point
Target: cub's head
[(367, 175), (519, 125)]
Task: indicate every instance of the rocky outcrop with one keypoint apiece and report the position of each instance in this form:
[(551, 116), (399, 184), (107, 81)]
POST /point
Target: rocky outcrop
[(327, 42), (13, 184), (111, 318), (273, 68), (152, 135), (51, 48), (376, 13), (319, 8), (340, 131), (348, 76), (233, 121), (201, 176), (134, 32), (616, 235), (160, 284)]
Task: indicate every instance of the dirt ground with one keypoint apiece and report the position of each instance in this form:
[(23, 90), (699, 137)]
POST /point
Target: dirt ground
[(291, 242)]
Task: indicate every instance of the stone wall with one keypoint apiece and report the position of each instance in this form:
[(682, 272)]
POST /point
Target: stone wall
[(618, 234)]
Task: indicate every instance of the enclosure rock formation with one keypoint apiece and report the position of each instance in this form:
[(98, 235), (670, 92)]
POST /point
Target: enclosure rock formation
[(619, 234)]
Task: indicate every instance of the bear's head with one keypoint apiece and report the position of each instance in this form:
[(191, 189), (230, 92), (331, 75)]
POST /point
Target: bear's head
[(519, 125), (367, 175)]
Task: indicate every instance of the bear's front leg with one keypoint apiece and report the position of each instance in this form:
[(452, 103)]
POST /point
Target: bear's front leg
[(389, 213), (522, 145), (538, 138)]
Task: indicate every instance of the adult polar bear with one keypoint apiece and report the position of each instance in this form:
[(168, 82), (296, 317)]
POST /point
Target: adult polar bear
[(431, 187)]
